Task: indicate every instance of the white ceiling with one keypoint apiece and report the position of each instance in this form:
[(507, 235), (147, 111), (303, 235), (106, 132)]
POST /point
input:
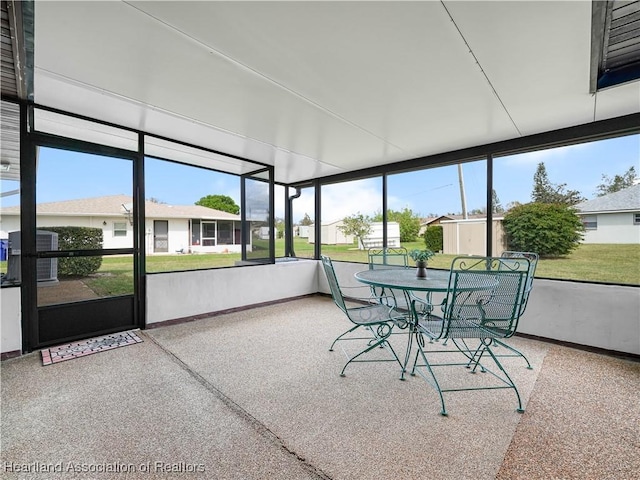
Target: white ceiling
[(318, 88)]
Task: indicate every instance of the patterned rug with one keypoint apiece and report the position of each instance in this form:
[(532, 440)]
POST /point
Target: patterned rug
[(87, 347)]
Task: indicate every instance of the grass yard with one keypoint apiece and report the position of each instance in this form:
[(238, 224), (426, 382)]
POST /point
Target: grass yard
[(590, 262)]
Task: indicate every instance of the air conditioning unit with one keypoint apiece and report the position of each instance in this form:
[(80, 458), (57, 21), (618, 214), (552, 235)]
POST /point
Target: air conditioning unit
[(47, 268)]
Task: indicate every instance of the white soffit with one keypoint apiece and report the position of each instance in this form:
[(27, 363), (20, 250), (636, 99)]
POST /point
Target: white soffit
[(371, 64), (536, 54), (317, 88)]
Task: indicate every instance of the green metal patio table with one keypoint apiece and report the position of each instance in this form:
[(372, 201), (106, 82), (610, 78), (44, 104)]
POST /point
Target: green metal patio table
[(405, 279)]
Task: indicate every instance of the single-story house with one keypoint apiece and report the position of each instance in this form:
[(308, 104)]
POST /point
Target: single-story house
[(168, 228), (612, 218)]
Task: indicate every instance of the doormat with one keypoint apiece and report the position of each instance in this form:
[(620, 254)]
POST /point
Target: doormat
[(87, 347)]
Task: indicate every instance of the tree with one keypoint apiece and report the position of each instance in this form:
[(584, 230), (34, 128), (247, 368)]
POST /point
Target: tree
[(279, 222), (78, 238), (306, 221), (357, 225), (549, 229), (408, 221), (219, 202), (496, 206), (546, 192), (433, 238), (617, 183)]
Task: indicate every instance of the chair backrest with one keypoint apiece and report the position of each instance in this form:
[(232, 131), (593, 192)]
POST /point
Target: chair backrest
[(388, 257), (336, 293), (485, 297), (533, 263)]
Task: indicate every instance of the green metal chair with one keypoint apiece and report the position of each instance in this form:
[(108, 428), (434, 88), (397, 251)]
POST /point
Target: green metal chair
[(533, 263), (375, 314), (387, 258), (483, 303)]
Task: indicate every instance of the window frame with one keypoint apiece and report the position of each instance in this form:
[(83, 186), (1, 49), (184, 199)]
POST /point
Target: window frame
[(590, 225), (116, 230)]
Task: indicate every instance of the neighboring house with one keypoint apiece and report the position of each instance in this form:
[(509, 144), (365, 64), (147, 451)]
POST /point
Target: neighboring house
[(168, 228), (612, 218)]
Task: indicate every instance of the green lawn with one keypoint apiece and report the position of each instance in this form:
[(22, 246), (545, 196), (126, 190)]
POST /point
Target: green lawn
[(599, 263), (590, 262)]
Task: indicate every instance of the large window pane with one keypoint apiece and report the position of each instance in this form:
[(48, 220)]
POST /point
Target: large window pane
[(348, 228), (602, 177), (449, 200), (193, 219), (303, 209), (279, 202), (257, 217)]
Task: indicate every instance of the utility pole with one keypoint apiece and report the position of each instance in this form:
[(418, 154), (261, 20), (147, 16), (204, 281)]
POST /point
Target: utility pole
[(463, 198)]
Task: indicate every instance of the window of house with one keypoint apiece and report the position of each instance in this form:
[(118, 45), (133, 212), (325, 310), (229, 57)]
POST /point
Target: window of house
[(195, 232), (226, 232), (119, 229), (636, 218), (208, 234), (590, 222)]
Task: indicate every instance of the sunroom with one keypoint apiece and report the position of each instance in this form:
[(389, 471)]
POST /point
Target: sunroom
[(303, 114), (301, 106)]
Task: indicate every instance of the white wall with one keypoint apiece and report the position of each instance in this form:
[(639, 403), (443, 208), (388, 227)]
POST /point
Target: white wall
[(603, 316), (11, 223), (10, 326), (184, 294), (614, 228)]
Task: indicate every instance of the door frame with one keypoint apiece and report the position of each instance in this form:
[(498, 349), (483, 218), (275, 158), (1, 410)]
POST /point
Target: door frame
[(154, 236), (30, 141)]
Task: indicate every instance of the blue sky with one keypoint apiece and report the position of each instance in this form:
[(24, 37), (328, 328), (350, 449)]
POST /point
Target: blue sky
[(68, 175)]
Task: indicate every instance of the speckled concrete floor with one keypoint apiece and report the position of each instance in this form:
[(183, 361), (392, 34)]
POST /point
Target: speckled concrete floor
[(256, 394)]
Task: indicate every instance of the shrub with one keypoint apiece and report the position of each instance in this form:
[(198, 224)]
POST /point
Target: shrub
[(433, 238), (550, 229), (78, 238)]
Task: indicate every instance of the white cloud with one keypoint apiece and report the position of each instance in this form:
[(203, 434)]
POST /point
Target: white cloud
[(341, 200)]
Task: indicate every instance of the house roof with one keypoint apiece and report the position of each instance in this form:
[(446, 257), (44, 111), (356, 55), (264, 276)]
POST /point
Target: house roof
[(626, 200), (443, 218), (117, 205)]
